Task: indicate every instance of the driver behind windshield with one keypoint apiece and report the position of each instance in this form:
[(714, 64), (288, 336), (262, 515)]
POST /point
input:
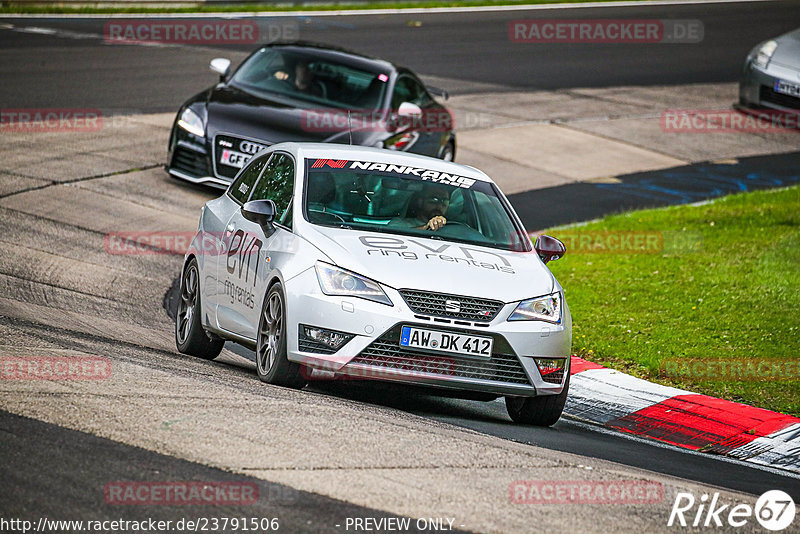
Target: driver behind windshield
[(302, 78), (426, 209)]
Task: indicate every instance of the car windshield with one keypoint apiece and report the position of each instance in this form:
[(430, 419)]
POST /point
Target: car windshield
[(310, 81), (404, 200)]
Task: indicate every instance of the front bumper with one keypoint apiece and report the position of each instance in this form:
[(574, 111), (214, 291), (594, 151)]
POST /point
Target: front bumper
[(756, 88), (374, 351), (191, 161)]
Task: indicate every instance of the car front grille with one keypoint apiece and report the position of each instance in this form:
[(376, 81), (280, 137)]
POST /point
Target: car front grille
[(386, 352), (309, 345), (556, 377), (451, 306), (767, 94), (189, 161)]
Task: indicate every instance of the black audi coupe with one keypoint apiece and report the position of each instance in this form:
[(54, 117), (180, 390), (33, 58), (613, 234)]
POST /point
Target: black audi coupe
[(304, 92)]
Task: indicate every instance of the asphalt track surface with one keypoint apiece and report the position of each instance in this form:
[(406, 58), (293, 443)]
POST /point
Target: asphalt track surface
[(567, 435), (583, 201), (56, 473), (470, 49)]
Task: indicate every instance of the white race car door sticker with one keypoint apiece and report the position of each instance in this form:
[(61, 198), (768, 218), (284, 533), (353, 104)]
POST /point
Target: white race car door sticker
[(240, 273)]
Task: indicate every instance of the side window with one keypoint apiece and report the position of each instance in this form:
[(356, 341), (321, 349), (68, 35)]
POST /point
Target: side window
[(277, 183), (402, 92), (490, 211), (241, 188), (409, 90), (422, 98)]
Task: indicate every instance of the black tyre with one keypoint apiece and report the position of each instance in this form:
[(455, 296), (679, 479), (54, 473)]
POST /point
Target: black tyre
[(190, 337), (272, 365), (537, 411)]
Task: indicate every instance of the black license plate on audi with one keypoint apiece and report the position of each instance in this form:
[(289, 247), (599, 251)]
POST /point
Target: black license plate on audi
[(452, 342)]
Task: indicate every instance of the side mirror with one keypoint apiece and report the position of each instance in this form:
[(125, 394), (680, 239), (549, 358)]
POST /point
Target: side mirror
[(407, 109), (261, 212), (441, 93), (221, 66), (549, 248)]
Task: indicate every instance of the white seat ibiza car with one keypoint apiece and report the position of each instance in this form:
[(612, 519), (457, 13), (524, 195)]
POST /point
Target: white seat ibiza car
[(382, 265)]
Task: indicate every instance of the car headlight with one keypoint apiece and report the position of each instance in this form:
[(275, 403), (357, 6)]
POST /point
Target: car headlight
[(336, 281), (764, 54), (546, 308), (192, 123)]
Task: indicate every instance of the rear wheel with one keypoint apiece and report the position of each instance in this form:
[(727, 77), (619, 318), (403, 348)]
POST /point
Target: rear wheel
[(272, 364), (538, 411), (190, 337)]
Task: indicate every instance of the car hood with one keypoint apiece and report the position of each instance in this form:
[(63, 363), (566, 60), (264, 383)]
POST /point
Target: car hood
[(232, 110), (406, 262), (788, 51)]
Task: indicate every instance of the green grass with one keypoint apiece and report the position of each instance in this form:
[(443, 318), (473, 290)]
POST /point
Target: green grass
[(726, 285), (12, 7)]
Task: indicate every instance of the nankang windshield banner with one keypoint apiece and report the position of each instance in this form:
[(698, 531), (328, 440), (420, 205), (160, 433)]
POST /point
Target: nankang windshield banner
[(390, 169)]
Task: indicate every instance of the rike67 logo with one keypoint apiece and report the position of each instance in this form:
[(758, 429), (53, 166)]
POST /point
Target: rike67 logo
[(774, 510)]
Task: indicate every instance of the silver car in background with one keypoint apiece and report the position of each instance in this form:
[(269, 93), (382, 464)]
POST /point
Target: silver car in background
[(771, 76)]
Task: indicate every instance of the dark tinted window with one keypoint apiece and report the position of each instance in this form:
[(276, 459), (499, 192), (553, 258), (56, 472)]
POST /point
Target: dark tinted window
[(243, 186), (407, 89), (277, 182), (310, 80)]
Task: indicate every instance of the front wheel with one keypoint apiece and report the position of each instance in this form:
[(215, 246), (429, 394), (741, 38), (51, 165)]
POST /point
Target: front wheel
[(190, 337), (272, 364), (538, 411)]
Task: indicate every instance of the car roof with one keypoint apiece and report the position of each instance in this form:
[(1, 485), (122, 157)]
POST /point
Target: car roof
[(337, 53), (379, 155)]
